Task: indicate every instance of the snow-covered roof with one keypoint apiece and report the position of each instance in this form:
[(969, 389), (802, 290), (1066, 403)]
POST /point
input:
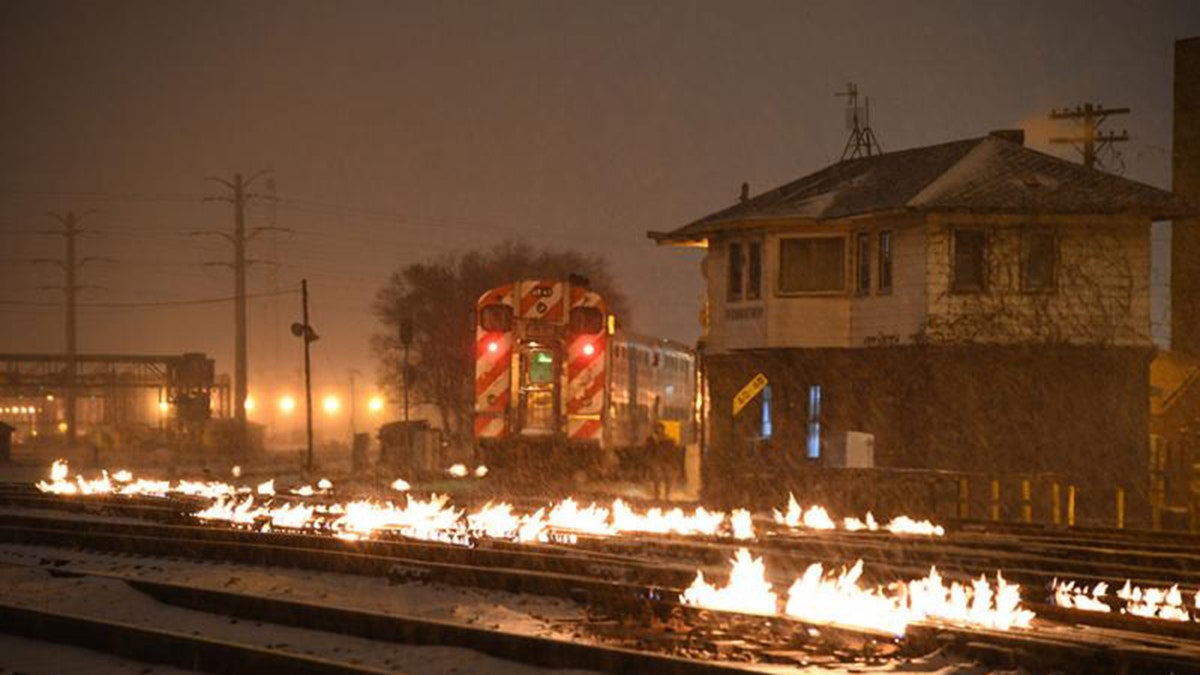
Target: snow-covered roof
[(991, 174)]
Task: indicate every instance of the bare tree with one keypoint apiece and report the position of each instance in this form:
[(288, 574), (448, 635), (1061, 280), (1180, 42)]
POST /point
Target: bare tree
[(439, 296)]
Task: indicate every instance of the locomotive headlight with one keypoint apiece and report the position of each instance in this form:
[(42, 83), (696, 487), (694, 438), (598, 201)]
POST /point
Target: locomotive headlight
[(589, 349)]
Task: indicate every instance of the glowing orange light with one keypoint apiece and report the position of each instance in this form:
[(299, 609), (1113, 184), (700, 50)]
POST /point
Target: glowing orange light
[(493, 347), (287, 404), (589, 349), (331, 404)]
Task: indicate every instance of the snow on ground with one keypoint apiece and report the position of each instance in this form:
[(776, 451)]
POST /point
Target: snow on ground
[(60, 514), (113, 600), (30, 657), (24, 579), (498, 610)]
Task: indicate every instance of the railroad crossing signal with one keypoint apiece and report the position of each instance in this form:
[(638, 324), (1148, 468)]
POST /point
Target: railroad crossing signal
[(748, 392)]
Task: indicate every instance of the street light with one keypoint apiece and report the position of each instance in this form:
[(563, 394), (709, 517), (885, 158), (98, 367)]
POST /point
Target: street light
[(331, 404), (287, 404), (375, 404)]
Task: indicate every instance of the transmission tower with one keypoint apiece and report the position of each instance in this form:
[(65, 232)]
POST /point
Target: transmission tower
[(1091, 141), (862, 141), (69, 264), (238, 197)]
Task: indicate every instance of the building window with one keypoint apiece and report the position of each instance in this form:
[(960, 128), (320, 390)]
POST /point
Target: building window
[(766, 428), (813, 440), (812, 265), (885, 261), (734, 286), (970, 260), (1038, 261), (862, 246), (754, 271)]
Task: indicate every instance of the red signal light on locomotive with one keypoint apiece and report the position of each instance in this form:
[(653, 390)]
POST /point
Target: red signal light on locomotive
[(589, 349), (493, 347)]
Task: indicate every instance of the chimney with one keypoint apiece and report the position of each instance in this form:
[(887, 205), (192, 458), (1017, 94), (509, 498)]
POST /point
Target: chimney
[(1011, 135), (745, 193), (1185, 182)]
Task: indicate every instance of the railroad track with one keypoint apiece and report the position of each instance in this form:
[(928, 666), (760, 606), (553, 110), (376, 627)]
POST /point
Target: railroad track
[(189, 652), (603, 582), (1085, 555), (220, 656)]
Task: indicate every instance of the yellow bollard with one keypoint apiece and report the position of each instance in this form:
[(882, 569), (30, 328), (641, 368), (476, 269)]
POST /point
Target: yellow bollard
[(964, 499), (1070, 506), (1120, 508), (1056, 499), (995, 500), (1026, 502)]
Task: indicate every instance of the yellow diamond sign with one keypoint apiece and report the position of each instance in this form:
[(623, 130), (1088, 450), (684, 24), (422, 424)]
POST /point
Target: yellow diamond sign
[(748, 392)]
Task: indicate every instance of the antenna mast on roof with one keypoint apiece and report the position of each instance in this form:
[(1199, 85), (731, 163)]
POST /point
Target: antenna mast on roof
[(862, 141)]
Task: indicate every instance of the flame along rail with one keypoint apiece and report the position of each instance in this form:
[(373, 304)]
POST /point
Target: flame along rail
[(1023, 562), (1113, 651), (1053, 642), (1093, 555), (1028, 562)]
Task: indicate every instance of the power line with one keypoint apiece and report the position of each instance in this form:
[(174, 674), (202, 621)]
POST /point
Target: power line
[(152, 303), (101, 196)]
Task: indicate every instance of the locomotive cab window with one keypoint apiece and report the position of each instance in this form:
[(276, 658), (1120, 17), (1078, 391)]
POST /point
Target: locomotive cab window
[(585, 321), (540, 367), (496, 318)]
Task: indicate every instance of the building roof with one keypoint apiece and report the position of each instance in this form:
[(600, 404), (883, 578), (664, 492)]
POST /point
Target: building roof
[(993, 174)]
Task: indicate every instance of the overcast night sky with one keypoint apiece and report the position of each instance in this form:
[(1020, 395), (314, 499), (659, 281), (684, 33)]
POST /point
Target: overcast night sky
[(400, 131)]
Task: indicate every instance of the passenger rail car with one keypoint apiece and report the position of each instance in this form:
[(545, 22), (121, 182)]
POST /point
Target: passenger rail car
[(554, 373)]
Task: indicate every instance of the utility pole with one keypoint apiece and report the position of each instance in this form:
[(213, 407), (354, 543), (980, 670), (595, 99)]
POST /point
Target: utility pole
[(306, 332), (353, 409), (69, 264), (406, 338), (238, 197), (1091, 140)]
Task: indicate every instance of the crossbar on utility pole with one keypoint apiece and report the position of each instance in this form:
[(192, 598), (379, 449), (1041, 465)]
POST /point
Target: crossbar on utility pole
[(1091, 139)]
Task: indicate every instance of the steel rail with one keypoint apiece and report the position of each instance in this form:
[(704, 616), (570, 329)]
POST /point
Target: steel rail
[(188, 652)]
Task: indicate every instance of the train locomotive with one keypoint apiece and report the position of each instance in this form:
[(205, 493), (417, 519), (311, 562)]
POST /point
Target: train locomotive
[(560, 386)]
